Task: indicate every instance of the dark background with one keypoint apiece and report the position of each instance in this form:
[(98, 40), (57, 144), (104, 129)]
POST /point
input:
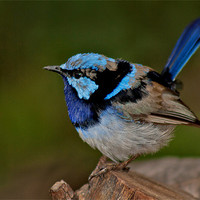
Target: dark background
[(38, 144)]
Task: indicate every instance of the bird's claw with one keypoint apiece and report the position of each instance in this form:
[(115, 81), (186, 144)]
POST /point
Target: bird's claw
[(101, 172), (107, 168)]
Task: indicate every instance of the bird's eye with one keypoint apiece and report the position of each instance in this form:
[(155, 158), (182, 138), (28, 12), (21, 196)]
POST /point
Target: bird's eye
[(78, 75)]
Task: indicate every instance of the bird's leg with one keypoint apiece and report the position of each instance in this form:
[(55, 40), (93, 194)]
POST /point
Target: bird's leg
[(103, 167), (122, 166)]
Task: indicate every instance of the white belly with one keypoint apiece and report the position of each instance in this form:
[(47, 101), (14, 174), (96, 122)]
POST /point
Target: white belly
[(119, 139)]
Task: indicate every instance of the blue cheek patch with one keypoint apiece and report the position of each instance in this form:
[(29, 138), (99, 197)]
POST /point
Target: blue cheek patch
[(84, 86), (125, 83), (86, 60)]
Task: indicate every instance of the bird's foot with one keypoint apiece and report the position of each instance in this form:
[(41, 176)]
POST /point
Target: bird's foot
[(104, 167), (107, 168)]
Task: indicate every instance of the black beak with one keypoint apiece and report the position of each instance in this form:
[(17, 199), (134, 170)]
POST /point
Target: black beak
[(54, 69), (58, 70)]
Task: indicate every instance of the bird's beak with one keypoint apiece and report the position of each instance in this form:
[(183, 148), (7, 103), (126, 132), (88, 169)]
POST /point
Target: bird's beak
[(54, 69), (58, 70)]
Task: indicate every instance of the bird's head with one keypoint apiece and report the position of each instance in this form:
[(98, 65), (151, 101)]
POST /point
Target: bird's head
[(93, 76)]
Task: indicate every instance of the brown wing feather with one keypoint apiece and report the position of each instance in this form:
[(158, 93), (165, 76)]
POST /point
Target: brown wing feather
[(172, 109), (160, 105)]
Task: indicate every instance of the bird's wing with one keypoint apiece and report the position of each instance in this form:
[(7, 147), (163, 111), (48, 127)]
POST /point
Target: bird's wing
[(158, 104), (169, 109)]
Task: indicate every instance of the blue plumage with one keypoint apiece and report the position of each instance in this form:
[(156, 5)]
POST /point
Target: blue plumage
[(86, 60), (125, 83), (79, 111), (83, 91), (185, 47), (127, 109)]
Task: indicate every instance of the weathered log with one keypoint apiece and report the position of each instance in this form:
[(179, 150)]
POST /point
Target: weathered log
[(62, 191), (118, 185)]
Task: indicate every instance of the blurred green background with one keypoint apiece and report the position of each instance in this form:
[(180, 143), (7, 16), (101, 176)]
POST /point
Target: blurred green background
[(38, 144)]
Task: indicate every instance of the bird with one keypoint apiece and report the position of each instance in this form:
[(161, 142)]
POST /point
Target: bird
[(125, 109)]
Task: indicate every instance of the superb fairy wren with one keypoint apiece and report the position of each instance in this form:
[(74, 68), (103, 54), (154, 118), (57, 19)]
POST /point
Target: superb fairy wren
[(125, 109)]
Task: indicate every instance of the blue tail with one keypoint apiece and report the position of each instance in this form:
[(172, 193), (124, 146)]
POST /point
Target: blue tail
[(185, 47)]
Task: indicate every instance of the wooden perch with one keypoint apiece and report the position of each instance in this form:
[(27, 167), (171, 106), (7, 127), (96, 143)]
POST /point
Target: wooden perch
[(118, 185), (62, 191)]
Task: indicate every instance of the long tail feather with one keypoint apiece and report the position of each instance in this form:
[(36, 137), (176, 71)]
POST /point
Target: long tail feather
[(185, 47)]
